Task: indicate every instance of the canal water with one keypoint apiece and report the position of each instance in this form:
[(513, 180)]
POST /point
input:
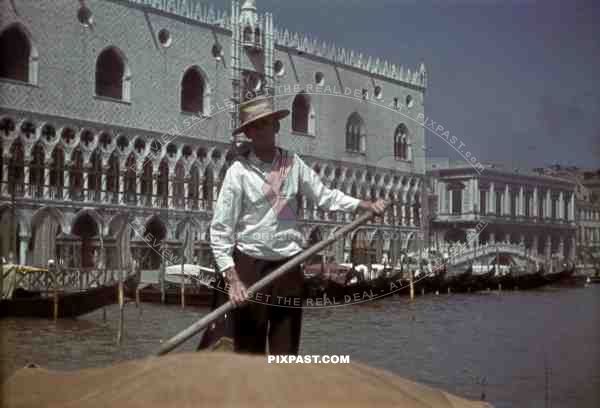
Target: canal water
[(517, 349)]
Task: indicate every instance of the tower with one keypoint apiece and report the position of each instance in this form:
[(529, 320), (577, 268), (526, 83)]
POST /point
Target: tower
[(252, 44)]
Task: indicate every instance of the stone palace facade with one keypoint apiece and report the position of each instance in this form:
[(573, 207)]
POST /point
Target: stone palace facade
[(115, 121)]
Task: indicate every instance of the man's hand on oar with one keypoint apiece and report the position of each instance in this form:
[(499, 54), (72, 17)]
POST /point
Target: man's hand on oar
[(376, 207), (237, 290)]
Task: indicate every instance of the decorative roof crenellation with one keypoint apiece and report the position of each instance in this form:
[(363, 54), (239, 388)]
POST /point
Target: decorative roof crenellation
[(207, 14)]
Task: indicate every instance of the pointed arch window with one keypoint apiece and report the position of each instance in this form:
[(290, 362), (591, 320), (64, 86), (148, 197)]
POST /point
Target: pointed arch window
[(95, 177), (76, 176), (193, 91), (18, 58), (208, 185), (302, 115), (179, 185), (163, 184), (417, 211), (257, 36), (16, 169), (402, 148), (355, 134), (112, 179), (36, 173), (194, 185), (147, 181), (456, 192), (130, 180), (113, 78), (247, 34), (57, 171)]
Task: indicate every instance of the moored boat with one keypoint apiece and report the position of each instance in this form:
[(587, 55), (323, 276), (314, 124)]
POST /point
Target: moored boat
[(61, 303)]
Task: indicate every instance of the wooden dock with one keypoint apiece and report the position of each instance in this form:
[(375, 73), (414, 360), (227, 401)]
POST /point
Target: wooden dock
[(59, 292)]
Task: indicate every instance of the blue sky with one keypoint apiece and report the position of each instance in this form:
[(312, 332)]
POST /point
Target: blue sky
[(516, 81)]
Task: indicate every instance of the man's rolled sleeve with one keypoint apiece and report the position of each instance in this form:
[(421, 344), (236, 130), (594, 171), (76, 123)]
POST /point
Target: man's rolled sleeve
[(225, 218), (326, 199)]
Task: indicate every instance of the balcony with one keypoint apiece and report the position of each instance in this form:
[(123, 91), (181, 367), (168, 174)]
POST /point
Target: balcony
[(39, 192)]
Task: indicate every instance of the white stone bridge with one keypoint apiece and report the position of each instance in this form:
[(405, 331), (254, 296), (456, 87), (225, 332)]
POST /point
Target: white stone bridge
[(485, 254)]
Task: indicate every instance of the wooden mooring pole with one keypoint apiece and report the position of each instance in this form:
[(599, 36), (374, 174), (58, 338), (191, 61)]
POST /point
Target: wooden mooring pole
[(1, 277), (161, 278), (412, 285), (182, 282), (52, 269), (121, 308)]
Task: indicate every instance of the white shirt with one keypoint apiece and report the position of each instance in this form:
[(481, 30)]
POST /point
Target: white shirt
[(257, 208)]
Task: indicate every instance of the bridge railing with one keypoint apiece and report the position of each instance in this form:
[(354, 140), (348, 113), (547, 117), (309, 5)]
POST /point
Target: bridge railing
[(460, 255)]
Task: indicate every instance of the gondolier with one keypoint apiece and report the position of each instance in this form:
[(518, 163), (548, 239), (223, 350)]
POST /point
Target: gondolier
[(254, 230)]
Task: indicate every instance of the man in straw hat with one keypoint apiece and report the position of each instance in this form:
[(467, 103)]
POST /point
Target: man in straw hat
[(254, 230)]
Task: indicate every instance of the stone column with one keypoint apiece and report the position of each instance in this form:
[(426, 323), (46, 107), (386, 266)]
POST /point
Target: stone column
[(403, 209), (548, 207), (572, 207), (561, 248), (27, 185), (572, 249), (438, 191), (23, 245), (561, 206), (445, 198), (85, 187), (66, 181), (46, 181), (521, 207), (472, 237), (170, 191), (122, 186), (491, 199), (104, 183), (476, 196), (5, 170), (155, 174), (139, 200), (534, 211), (186, 190), (506, 200), (548, 247)]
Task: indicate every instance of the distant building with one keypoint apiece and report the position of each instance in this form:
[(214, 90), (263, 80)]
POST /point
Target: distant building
[(588, 209), (524, 209)]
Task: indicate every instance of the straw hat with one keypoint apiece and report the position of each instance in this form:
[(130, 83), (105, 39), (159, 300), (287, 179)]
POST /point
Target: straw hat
[(257, 109)]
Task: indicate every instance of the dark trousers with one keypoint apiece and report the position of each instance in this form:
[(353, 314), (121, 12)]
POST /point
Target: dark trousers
[(274, 314)]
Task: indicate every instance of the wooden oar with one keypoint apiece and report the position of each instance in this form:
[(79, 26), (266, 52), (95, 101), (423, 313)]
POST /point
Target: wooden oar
[(184, 335)]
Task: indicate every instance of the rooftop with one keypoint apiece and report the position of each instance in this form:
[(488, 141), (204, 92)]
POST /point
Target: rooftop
[(195, 10)]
